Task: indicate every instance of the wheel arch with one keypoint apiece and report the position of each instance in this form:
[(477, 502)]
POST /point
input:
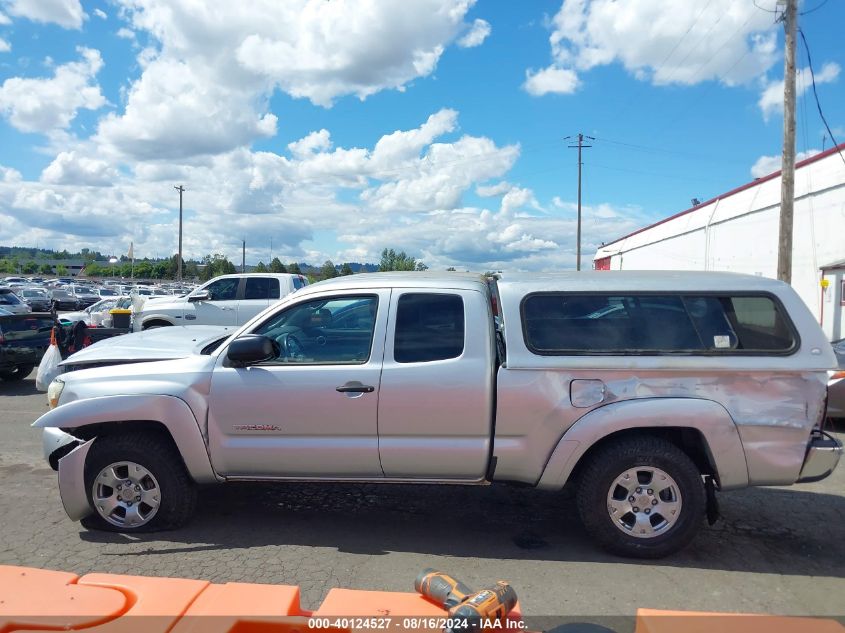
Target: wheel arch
[(89, 418), (159, 320), (701, 428)]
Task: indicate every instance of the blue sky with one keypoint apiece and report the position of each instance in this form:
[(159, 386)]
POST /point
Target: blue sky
[(338, 128)]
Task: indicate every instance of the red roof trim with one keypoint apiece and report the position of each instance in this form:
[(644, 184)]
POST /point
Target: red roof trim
[(773, 175)]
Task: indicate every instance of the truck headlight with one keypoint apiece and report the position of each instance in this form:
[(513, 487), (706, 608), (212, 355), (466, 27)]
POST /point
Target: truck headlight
[(54, 392)]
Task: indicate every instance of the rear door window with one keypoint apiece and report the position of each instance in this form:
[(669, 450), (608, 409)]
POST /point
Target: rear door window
[(261, 288), (429, 327)]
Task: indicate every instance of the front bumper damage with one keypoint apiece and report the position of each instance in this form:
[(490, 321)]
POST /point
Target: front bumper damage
[(823, 453), (72, 478)]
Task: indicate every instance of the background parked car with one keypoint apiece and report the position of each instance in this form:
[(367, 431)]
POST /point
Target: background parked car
[(37, 299), (84, 296), (11, 302), (62, 300)]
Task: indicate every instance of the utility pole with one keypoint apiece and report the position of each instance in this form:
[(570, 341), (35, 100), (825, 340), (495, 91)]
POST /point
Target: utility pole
[(243, 257), (580, 146), (181, 190), (787, 174)]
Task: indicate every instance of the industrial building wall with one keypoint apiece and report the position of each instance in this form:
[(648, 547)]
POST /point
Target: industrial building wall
[(738, 232)]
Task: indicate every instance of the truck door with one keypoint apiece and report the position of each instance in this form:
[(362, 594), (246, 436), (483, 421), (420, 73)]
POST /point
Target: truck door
[(436, 401), (259, 292), (221, 307), (311, 411)]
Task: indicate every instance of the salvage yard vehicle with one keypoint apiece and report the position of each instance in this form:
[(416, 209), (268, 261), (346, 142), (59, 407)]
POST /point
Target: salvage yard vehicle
[(10, 302), (646, 391), (23, 340), (225, 300)]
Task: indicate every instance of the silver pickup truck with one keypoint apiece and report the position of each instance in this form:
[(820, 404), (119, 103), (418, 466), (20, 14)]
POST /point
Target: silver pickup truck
[(647, 392)]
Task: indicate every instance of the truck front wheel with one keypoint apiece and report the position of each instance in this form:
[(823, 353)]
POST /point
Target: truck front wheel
[(137, 482), (641, 497)]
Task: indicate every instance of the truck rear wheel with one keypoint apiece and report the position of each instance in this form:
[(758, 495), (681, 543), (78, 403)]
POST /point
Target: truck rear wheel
[(17, 373), (641, 497), (137, 482)]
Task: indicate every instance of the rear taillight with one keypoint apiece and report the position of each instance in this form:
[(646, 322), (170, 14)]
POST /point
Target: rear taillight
[(837, 375)]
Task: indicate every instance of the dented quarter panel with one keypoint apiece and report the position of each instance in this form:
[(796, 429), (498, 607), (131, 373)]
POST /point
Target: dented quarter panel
[(772, 401), (772, 415)]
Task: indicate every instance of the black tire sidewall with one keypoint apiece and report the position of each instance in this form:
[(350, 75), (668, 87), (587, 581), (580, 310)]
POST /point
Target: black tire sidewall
[(178, 494), (615, 460), (17, 373)]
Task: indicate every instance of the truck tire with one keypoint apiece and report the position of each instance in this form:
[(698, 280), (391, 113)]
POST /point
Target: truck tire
[(137, 482), (17, 373), (641, 497)]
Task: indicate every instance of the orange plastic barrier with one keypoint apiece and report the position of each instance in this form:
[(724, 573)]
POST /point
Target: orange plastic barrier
[(652, 621), (42, 600)]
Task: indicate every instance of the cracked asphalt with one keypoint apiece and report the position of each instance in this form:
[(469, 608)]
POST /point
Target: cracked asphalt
[(776, 550)]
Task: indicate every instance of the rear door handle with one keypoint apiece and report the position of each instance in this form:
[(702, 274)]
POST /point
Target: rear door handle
[(353, 386)]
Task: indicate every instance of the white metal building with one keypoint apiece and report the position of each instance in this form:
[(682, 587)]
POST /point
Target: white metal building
[(738, 231)]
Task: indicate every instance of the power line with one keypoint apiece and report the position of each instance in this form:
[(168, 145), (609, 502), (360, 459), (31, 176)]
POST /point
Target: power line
[(816, 8), (816, 94), (660, 150)]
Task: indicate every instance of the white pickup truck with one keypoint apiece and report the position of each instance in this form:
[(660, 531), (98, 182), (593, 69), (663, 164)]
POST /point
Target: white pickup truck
[(225, 300), (648, 392)]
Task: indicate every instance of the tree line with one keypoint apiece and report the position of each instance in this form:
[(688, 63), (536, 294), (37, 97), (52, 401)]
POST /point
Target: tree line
[(206, 268)]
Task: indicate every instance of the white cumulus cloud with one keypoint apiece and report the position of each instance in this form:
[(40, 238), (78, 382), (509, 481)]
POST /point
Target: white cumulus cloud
[(5, 47), (660, 41), (65, 13), (42, 105), (209, 75), (771, 100), (551, 80), (765, 165), (478, 32), (69, 168)]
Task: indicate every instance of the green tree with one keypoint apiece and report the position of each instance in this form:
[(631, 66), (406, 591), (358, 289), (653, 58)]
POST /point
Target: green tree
[(345, 270), (161, 269), (173, 266), (61, 270), (93, 269), (294, 268), (46, 269), (276, 266), (261, 268), (6, 266), (143, 269), (30, 268), (391, 260), (190, 271), (327, 270)]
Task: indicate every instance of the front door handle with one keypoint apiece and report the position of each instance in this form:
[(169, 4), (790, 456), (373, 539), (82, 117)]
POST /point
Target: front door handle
[(353, 386)]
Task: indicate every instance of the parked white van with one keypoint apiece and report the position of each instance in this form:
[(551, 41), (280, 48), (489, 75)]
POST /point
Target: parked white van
[(224, 300)]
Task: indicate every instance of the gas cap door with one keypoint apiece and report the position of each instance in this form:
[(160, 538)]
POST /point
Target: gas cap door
[(587, 393)]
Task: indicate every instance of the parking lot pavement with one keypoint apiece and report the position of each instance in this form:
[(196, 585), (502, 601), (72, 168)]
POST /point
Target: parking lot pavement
[(777, 550)]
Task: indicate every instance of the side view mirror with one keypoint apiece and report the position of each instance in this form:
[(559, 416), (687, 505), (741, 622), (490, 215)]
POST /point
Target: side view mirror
[(252, 348), (201, 295)]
